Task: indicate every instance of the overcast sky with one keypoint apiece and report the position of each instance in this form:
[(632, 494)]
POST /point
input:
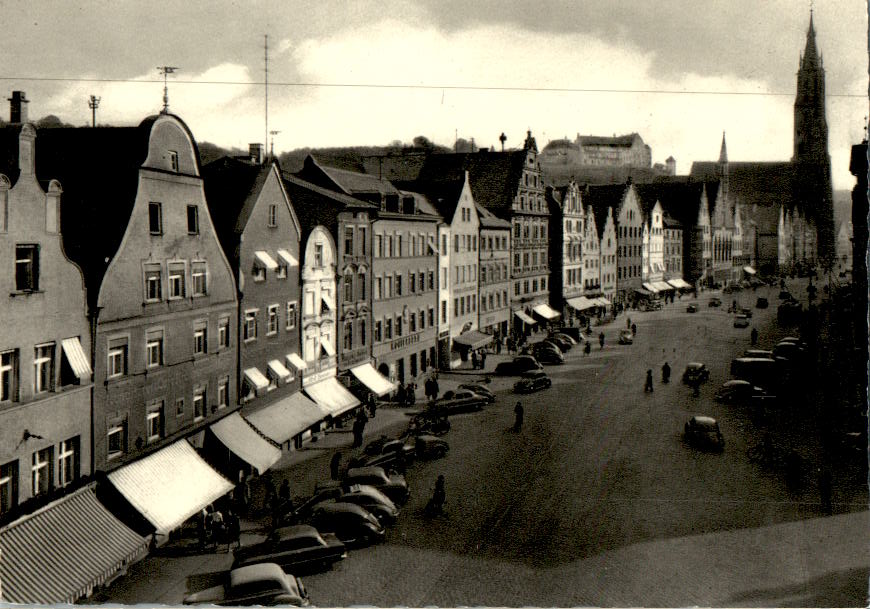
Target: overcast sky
[(475, 68)]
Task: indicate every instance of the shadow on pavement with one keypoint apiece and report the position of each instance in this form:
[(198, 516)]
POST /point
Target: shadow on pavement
[(845, 588)]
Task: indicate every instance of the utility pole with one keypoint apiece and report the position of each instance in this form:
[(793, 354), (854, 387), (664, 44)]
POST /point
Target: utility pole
[(266, 82), (166, 70), (272, 147), (93, 104)]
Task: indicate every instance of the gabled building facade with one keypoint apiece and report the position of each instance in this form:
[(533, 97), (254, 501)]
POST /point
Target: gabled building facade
[(161, 292), (567, 233), (495, 259), (45, 344)]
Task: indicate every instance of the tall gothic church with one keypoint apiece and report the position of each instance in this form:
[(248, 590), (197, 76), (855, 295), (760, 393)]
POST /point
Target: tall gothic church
[(811, 162), (786, 208)]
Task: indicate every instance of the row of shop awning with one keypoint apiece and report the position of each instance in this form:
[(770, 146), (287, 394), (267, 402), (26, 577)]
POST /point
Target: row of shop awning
[(61, 552), (376, 382), (749, 270), (654, 287), (581, 303), (542, 310), (473, 339)]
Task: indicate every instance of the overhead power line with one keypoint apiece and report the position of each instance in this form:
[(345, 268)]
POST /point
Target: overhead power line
[(339, 85)]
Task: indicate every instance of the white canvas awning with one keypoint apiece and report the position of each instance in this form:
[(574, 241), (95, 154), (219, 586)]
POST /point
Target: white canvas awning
[(332, 396), (297, 362), (279, 370), (288, 417), (650, 288), (288, 258), (581, 303), (603, 302), (662, 286), (327, 346), (374, 380), (545, 311), (525, 318), (266, 260), (170, 486), (679, 284), (243, 440), (76, 357), (749, 270), (256, 378)]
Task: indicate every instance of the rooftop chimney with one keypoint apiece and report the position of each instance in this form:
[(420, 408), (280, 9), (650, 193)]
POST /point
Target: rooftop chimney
[(18, 107), (256, 153)]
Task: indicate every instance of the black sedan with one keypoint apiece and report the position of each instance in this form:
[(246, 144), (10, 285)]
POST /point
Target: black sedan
[(703, 432), (299, 547), (461, 400), (393, 486), (715, 302), (738, 391), (695, 372), (519, 365), (532, 382), (351, 523), (479, 389), (549, 356), (692, 308)]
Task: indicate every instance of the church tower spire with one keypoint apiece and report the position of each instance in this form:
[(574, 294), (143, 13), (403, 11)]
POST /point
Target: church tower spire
[(723, 151)]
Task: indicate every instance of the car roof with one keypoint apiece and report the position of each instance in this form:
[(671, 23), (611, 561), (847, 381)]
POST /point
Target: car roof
[(532, 374), (297, 531), (258, 572), (368, 470), (694, 365), (735, 383), (343, 507), (704, 421)]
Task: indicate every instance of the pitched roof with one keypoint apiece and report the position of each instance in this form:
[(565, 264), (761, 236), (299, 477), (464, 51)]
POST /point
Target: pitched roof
[(600, 198), (98, 169), (355, 182), (764, 183), (317, 205), (231, 189), (489, 220), (442, 195)]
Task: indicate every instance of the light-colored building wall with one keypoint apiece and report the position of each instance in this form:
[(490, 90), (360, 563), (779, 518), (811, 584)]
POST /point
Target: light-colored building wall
[(404, 264), (609, 258), (591, 254), (44, 407), (318, 322), (463, 274), (629, 234), (494, 306), (150, 403)]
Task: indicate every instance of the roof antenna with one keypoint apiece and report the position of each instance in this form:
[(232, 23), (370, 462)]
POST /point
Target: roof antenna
[(266, 81), (166, 70)]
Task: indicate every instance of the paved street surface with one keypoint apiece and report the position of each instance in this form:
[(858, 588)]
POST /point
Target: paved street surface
[(597, 501)]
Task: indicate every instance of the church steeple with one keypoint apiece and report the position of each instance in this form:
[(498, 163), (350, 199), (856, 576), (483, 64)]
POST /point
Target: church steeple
[(810, 126), (723, 151)]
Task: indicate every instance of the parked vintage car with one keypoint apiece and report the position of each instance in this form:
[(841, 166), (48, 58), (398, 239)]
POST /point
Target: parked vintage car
[(363, 495), (295, 548), (563, 336), (531, 382), (715, 302), (695, 372), (519, 365), (741, 321), (461, 400), (626, 337), (761, 303), (692, 308), (479, 389), (351, 523), (739, 391), (406, 449), (549, 356), (564, 344), (393, 486), (703, 432), (263, 584), (758, 353)]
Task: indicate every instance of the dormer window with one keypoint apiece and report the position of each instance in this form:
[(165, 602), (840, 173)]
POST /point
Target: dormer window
[(173, 160)]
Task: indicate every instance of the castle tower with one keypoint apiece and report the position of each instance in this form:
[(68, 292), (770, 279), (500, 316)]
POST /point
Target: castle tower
[(812, 165)]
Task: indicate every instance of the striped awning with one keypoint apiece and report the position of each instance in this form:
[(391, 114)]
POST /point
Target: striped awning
[(332, 396), (59, 553), (244, 441), (76, 357), (170, 486), (287, 418)]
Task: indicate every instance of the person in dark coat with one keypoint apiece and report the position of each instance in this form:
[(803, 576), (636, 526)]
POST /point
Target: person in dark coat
[(601, 340), (648, 385), (400, 394), (753, 337), (474, 360), (518, 416), (233, 530), (666, 373), (284, 491), (334, 466), (483, 360)]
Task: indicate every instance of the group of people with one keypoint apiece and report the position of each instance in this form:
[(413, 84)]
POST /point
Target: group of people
[(216, 528), (359, 425), (478, 360), (406, 395), (666, 378)]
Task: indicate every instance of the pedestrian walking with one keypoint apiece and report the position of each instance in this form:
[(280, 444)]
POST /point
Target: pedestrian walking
[(334, 465), (474, 360), (400, 394), (601, 340), (233, 530), (666, 373), (587, 348), (648, 386), (269, 493), (627, 323), (412, 394), (242, 494), (435, 389), (483, 360), (634, 329), (518, 416), (753, 337)]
